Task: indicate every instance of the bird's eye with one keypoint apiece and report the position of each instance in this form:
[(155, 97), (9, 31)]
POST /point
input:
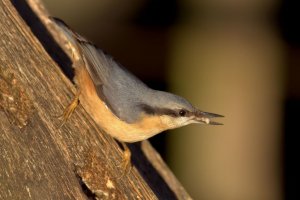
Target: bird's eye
[(182, 113)]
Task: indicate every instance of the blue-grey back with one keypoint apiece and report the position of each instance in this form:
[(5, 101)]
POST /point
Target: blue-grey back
[(122, 92), (120, 89)]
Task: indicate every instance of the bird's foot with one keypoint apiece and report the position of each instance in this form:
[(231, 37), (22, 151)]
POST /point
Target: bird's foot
[(70, 109), (126, 160)]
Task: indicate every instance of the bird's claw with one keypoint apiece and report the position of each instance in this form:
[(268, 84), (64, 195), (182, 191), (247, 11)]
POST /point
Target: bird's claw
[(125, 165), (69, 109)]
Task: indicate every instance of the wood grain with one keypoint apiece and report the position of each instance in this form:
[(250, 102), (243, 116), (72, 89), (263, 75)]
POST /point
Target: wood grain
[(38, 158)]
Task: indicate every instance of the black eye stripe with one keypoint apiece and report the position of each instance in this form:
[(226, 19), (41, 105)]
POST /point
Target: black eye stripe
[(164, 111), (147, 109)]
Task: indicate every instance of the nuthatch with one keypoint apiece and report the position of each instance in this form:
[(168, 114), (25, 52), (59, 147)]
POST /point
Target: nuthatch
[(119, 102)]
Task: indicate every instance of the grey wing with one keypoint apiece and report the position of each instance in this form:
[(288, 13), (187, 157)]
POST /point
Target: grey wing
[(117, 87)]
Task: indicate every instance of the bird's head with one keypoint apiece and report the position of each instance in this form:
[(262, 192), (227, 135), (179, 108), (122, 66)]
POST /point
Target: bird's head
[(175, 111)]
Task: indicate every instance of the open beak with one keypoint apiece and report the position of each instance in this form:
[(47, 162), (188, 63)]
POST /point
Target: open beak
[(205, 117)]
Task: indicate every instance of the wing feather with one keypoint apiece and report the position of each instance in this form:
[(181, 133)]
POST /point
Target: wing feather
[(118, 88)]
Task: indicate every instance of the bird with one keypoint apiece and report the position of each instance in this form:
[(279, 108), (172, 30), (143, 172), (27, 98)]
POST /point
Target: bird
[(120, 103)]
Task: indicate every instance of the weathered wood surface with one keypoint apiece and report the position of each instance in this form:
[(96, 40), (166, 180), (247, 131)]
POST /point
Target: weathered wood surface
[(38, 158)]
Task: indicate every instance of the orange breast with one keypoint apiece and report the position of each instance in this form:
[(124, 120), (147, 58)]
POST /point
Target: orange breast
[(146, 127)]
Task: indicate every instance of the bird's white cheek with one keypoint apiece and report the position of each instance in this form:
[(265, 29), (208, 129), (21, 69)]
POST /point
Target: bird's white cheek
[(172, 122), (169, 122), (184, 121)]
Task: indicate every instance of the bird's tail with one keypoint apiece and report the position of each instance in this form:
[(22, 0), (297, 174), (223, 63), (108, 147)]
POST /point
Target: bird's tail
[(69, 33), (72, 37)]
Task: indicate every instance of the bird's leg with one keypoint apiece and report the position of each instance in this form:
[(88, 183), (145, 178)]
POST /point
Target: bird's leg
[(70, 108), (126, 160)]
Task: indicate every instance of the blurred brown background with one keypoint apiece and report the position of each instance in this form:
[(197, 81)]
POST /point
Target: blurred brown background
[(239, 58)]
